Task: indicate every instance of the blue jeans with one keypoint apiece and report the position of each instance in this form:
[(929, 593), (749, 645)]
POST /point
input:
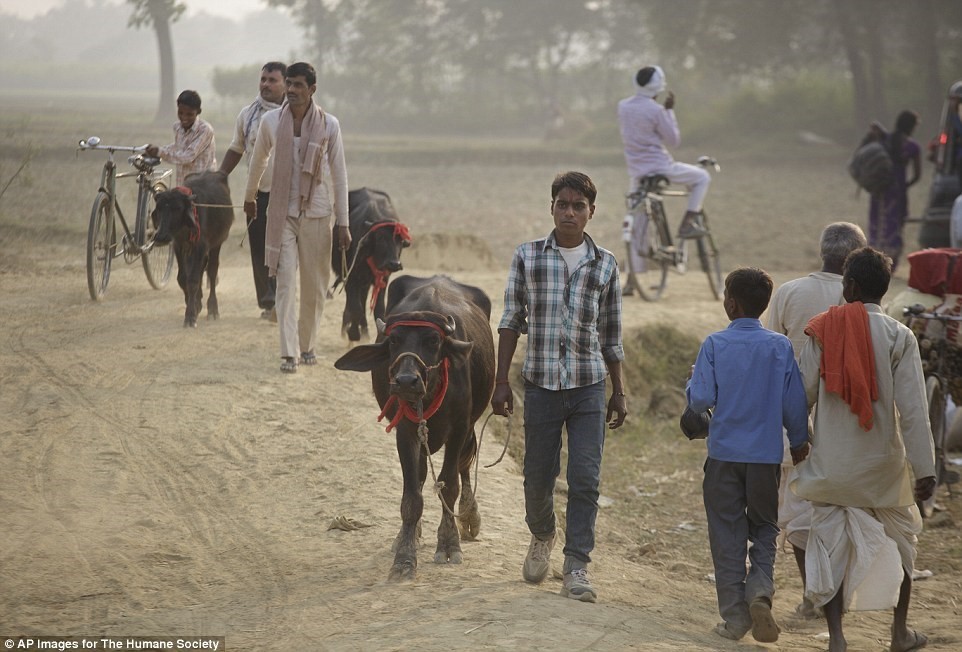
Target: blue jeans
[(582, 410)]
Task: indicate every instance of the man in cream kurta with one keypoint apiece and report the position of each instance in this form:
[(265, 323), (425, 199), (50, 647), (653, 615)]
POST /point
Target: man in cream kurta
[(308, 188), (865, 479)]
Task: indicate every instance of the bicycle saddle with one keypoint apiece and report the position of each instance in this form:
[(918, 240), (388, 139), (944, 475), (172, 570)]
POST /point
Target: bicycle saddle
[(652, 182)]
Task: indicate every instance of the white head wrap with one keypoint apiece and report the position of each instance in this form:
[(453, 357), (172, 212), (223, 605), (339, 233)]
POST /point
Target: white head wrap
[(654, 86)]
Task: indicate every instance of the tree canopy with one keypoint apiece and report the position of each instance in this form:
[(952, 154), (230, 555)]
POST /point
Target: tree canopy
[(434, 62)]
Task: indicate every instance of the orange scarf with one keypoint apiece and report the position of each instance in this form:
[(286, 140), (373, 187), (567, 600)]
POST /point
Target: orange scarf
[(848, 360)]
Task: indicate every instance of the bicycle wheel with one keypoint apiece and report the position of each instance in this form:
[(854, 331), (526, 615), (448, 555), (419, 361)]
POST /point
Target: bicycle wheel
[(158, 260), (101, 241), (711, 262), (647, 262), (936, 401)]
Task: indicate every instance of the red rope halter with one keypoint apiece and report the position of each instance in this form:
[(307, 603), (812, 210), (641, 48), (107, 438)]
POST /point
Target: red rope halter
[(404, 408), (195, 232), (380, 280), (381, 275)]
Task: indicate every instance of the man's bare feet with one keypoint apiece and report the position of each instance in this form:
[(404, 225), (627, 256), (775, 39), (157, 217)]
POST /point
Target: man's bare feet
[(909, 639)]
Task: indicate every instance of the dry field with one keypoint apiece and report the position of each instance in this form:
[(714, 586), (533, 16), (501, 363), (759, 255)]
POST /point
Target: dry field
[(158, 481)]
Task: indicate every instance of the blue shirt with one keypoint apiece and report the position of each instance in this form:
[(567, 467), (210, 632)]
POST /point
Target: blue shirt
[(749, 376)]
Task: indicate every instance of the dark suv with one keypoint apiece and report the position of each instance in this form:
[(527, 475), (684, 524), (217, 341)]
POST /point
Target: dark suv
[(947, 182)]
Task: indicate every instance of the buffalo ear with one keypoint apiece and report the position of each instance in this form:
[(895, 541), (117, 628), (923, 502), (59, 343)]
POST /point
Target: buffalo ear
[(456, 349), (363, 358)]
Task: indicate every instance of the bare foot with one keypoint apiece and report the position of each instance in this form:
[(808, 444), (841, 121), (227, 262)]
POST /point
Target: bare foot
[(909, 639), (837, 646)]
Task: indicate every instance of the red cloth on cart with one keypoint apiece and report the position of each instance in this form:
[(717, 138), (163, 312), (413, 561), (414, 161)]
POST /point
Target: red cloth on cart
[(936, 271)]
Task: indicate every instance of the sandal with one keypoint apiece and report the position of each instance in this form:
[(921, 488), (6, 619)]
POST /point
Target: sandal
[(289, 365), (916, 641), (309, 359), (764, 627)]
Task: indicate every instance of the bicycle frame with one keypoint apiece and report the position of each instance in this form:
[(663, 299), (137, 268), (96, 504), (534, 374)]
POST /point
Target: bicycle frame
[(651, 250), (102, 243)]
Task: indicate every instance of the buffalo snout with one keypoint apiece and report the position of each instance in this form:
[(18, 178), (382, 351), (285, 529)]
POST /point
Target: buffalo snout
[(393, 266), (163, 235), (407, 382), (408, 385)]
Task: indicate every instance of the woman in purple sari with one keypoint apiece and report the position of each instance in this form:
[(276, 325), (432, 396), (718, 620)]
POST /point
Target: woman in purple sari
[(888, 210)]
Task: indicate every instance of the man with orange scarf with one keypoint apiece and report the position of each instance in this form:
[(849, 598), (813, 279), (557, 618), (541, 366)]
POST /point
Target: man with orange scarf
[(309, 168), (871, 438)]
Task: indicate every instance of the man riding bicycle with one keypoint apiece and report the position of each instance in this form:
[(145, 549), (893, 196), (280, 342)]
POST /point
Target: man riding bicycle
[(646, 128)]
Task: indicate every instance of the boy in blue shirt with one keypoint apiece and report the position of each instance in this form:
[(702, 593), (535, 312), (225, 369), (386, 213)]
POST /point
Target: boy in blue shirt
[(749, 376)]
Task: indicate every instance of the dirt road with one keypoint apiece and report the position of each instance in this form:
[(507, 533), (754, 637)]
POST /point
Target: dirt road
[(163, 481)]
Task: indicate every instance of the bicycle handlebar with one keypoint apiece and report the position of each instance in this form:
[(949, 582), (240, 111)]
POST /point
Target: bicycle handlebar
[(94, 143), (918, 310)]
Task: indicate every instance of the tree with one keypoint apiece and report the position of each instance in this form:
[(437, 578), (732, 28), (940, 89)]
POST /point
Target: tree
[(160, 14)]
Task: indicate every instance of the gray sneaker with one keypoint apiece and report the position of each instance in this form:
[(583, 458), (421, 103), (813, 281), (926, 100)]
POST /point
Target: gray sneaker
[(538, 560), (577, 587)]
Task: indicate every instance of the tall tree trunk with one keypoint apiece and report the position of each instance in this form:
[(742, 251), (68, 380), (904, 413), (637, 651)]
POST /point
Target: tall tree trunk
[(875, 54), (862, 104), (924, 30), (165, 51)]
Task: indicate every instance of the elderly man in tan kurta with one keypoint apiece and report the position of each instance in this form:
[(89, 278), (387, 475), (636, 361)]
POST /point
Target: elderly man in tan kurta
[(871, 436), (792, 306)]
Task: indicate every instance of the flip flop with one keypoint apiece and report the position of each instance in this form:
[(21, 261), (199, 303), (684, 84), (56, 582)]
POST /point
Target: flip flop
[(308, 359), (764, 627), (919, 641), (288, 365)]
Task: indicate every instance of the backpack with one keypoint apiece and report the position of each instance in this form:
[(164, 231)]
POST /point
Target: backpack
[(872, 167)]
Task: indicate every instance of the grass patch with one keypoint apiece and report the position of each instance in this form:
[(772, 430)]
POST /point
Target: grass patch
[(657, 362)]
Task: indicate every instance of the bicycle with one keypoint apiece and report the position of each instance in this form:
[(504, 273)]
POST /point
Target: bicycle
[(651, 251), (935, 352), (102, 245)]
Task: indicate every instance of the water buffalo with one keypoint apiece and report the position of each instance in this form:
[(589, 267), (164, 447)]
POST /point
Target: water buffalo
[(377, 238), (197, 217), (435, 349)]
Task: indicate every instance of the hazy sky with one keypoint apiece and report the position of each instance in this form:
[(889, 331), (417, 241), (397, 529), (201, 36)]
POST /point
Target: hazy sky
[(229, 8)]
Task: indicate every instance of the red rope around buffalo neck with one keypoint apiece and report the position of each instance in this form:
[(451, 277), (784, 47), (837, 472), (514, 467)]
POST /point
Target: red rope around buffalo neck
[(404, 408), (381, 275), (195, 232), (380, 280)]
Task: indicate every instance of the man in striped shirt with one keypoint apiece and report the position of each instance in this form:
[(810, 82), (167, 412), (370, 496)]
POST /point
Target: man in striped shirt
[(245, 135), (564, 292)]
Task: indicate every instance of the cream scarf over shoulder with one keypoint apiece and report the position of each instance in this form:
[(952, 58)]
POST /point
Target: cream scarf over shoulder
[(313, 143)]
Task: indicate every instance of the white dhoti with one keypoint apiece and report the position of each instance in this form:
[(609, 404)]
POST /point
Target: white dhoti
[(868, 550)]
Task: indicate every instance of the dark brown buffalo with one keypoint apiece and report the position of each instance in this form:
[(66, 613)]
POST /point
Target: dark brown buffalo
[(430, 321), (197, 218), (377, 238)]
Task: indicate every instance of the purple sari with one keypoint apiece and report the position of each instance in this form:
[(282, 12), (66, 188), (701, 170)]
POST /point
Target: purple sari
[(887, 212)]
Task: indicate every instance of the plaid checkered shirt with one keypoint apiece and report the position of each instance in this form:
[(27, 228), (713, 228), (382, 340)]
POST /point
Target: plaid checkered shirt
[(573, 321)]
